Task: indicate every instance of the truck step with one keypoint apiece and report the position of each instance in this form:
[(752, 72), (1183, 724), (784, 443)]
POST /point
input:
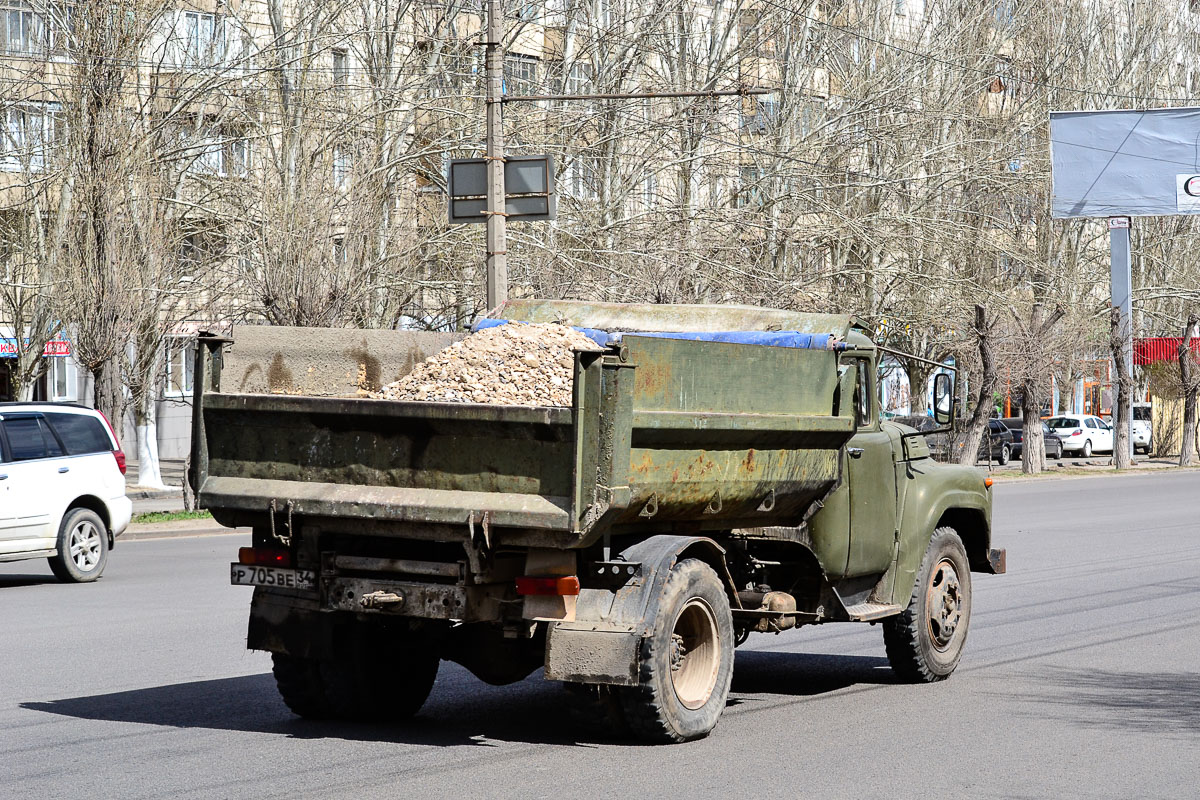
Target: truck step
[(865, 612)]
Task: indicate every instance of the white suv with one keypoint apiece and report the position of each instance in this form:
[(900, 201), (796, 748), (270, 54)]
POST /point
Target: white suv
[(62, 487), (1082, 433)]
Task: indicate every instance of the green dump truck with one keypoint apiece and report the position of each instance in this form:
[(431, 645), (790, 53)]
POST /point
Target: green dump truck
[(722, 471)]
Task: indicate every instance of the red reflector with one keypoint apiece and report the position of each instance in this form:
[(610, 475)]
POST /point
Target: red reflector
[(554, 586), (119, 455), (264, 557)]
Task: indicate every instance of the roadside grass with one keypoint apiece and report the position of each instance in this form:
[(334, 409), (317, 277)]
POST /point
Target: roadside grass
[(169, 516)]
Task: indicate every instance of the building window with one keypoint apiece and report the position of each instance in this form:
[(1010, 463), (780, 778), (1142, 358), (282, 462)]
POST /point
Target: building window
[(764, 116), (222, 155), (27, 134), (342, 164), (579, 79), (579, 178), (520, 74), (341, 69), (529, 10), (22, 30), (203, 39), (650, 190), (180, 365), (750, 190), (58, 379)]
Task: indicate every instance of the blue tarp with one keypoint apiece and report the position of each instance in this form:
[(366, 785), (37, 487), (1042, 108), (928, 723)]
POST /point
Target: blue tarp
[(803, 341)]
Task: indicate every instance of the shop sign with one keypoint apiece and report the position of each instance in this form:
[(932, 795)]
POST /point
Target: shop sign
[(58, 347)]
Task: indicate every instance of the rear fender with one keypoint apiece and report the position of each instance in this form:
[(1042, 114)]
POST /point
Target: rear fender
[(602, 644)]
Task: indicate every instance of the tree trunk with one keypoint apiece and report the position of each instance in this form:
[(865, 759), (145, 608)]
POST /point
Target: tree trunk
[(1033, 446), (1124, 407), (145, 421), (108, 393), (918, 383), (1191, 387), (977, 427)]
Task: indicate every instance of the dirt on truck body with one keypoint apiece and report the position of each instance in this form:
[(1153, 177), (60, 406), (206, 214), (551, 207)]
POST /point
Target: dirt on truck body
[(720, 471)]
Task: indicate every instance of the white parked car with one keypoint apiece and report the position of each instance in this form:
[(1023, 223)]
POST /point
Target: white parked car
[(62, 487), (1143, 430), (1082, 433)]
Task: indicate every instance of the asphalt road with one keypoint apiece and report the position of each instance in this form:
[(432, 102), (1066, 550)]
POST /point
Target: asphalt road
[(1080, 680)]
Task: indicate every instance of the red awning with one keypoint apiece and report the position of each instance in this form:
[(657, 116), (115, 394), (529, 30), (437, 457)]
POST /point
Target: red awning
[(1153, 349)]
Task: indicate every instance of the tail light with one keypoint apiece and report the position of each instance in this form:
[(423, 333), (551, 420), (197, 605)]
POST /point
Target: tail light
[(264, 557), (548, 586), (1077, 432), (118, 453)]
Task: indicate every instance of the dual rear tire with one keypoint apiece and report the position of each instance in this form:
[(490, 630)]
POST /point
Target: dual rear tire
[(372, 684)]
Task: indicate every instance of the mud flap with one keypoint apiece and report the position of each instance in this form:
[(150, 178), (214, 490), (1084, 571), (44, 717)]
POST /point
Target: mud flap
[(589, 653), (602, 643)]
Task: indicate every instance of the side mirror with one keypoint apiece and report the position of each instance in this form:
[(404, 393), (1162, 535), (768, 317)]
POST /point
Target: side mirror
[(943, 398)]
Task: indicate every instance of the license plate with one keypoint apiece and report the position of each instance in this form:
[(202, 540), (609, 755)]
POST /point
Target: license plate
[(247, 575)]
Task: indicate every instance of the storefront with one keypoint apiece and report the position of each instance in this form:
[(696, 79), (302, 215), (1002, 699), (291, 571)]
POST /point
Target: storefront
[(59, 382)]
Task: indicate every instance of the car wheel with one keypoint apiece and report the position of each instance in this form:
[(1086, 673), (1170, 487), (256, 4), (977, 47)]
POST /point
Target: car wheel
[(1005, 454), (82, 547), (1058, 452), (1087, 449), (686, 662), (925, 642)]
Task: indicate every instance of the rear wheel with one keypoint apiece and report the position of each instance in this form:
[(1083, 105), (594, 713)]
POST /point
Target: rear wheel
[(82, 547), (1058, 452), (387, 682), (687, 662), (925, 642), (1087, 449), (1005, 454)]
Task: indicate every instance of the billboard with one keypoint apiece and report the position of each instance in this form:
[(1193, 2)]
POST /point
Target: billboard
[(1125, 163)]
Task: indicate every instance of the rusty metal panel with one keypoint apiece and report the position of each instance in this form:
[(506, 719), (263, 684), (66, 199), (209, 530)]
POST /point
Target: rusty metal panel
[(324, 361)]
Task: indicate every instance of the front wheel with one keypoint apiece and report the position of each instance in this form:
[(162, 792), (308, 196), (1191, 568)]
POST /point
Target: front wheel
[(1058, 452), (686, 663), (925, 642), (82, 547), (1005, 454)]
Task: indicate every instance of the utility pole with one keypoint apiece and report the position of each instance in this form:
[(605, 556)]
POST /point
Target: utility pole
[(497, 244)]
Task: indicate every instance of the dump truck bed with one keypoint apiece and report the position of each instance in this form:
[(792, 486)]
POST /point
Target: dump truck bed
[(663, 433)]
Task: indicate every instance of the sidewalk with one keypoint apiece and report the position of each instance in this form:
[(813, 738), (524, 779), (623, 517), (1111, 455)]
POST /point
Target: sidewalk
[(145, 500), (1078, 467)]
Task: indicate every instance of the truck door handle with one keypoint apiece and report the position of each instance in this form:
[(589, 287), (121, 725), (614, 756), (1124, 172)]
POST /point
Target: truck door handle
[(61, 470), (855, 452)]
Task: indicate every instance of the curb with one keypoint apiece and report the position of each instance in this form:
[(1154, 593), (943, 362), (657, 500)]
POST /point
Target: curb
[(175, 530), (1099, 472)]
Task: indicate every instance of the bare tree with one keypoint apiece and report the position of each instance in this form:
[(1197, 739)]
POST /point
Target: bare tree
[(1190, 384), (977, 428)]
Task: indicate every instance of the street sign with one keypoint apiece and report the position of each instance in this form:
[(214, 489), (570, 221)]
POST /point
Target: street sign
[(528, 189)]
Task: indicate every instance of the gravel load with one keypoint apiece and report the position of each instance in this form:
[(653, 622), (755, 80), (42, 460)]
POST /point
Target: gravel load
[(508, 365)]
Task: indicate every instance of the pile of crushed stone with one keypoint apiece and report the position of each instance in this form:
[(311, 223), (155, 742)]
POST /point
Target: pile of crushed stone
[(508, 365)]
